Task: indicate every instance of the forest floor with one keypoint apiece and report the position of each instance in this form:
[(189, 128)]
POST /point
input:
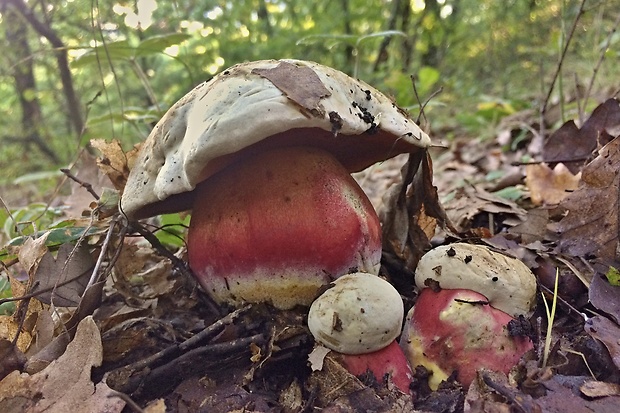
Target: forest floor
[(146, 338)]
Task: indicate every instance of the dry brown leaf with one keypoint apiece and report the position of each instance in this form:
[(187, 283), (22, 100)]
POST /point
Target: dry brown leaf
[(600, 389), (65, 385), (412, 211), (550, 186), (114, 161), (80, 199), (591, 225), (572, 143), (471, 201), (30, 255), (299, 83), (62, 280), (11, 358), (605, 297), (608, 333)]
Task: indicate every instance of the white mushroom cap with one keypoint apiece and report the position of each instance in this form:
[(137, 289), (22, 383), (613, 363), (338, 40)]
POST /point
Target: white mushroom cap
[(248, 108), (506, 282), (361, 313)]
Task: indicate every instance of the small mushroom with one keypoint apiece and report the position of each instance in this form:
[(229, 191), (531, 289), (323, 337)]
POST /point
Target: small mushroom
[(360, 316), (460, 323), (458, 331), (262, 154), (507, 283)]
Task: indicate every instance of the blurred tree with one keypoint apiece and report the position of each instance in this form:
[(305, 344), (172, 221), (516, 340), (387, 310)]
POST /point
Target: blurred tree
[(130, 60)]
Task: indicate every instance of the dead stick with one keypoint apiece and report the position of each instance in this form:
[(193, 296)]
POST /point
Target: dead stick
[(83, 184)]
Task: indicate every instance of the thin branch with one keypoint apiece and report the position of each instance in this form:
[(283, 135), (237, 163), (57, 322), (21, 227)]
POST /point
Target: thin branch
[(85, 185), (558, 68), (600, 60)]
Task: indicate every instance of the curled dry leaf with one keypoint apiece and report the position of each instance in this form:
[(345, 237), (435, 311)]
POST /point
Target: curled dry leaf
[(608, 333), (412, 211), (65, 385), (114, 162), (573, 143)]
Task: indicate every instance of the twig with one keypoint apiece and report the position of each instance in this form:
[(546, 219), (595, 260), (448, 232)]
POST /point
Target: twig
[(45, 290), (203, 336), (128, 400), (558, 68), (600, 60), (520, 402), (83, 184), (178, 263), (104, 248)]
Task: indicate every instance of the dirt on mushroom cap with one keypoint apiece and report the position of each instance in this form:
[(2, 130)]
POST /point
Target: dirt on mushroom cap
[(241, 111)]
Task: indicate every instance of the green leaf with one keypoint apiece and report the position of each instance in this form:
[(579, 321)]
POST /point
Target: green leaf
[(114, 52), (512, 193), (427, 77), (174, 227), (613, 276), (157, 44)]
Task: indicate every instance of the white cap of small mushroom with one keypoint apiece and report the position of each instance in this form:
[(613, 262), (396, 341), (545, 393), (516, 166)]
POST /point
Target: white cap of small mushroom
[(506, 282), (360, 313), (250, 107)]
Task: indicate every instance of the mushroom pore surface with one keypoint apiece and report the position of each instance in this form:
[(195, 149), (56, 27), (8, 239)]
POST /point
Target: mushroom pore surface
[(277, 226)]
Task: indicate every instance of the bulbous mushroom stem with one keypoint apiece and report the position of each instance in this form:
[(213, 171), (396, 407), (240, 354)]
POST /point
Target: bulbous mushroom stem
[(278, 225), (390, 360), (457, 330)]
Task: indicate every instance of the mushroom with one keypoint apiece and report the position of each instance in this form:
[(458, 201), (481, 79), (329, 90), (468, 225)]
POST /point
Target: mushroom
[(461, 323), (262, 154), (360, 316), (506, 282)]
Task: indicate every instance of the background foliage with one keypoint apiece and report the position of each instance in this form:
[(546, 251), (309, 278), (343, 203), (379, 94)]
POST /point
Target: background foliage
[(75, 70)]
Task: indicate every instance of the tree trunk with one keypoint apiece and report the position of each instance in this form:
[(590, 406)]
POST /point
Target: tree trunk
[(20, 57), (43, 29)]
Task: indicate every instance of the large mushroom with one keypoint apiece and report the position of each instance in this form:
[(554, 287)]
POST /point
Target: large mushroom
[(262, 154), (460, 323)]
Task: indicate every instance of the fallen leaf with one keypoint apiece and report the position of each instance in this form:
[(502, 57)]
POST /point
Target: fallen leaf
[(605, 297), (534, 226), (11, 358), (114, 162), (591, 224), (607, 332), (549, 186), (600, 389), (80, 199), (472, 201), (563, 395), (62, 280), (30, 254), (299, 83), (316, 357), (412, 212), (65, 385), (570, 143)]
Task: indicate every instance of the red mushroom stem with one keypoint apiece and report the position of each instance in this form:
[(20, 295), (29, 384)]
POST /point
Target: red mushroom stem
[(456, 330), (280, 224), (388, 361)]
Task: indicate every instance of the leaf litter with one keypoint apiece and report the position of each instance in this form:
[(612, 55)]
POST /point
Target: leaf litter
[(146, 330)]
